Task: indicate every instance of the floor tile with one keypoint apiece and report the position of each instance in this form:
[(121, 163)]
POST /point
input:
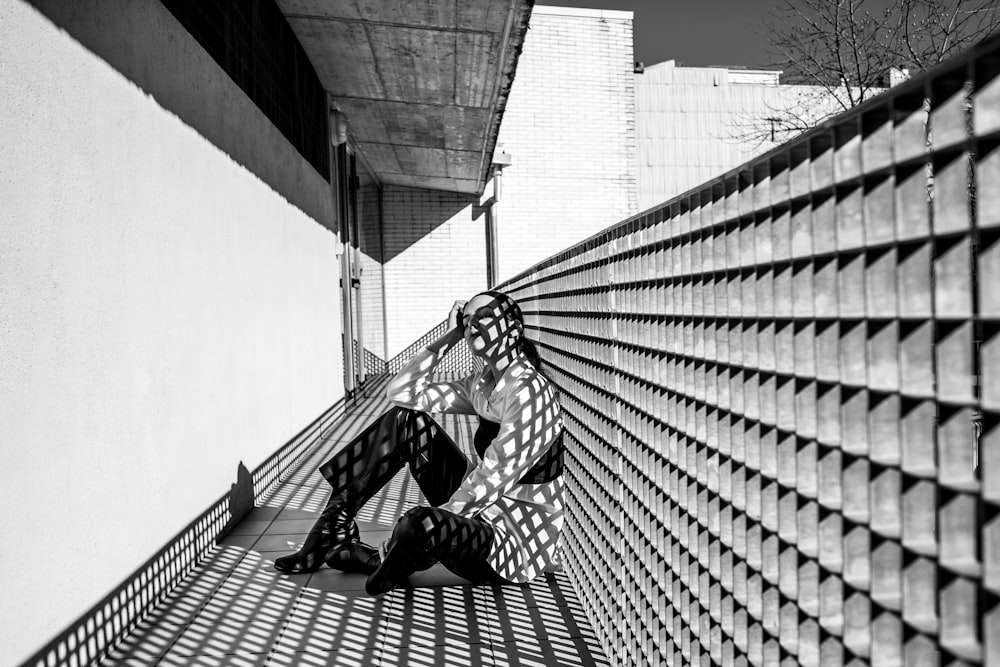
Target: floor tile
[(330, 580), (218, 633), (539, 622), (251, 527), (222, 660), (431, 616), (240, 541), (267, 559), (450, 655), (549, 589), (262, 513), (304, 473), (293, 513), (291, 526), (343, 657), (332, 620), (303, 497), (573, 652), (223, 558), (282, 543), (112, 661), (182, 605), (145, 646)]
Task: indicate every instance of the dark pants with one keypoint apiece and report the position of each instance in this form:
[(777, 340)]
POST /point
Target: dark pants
[(406, 437)]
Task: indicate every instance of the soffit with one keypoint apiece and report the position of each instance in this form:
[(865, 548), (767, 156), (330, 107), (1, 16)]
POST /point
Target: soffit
[(422, 83)]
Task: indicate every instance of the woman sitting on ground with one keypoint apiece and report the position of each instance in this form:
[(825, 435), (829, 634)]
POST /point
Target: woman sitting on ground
[(493, 520)]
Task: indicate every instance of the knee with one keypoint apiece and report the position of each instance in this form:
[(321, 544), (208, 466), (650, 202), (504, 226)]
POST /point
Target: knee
[(414, 525), (401, 416)]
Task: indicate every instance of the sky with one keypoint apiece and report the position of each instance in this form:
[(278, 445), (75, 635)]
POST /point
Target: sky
[(693, 32)]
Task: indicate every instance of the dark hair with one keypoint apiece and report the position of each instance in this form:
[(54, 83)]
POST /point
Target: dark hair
[(511, 310)]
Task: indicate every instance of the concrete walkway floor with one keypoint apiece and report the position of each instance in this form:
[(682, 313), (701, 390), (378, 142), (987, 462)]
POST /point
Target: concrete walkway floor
[(235, 609)]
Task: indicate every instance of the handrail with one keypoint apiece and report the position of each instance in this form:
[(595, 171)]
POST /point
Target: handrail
[(96, 633)]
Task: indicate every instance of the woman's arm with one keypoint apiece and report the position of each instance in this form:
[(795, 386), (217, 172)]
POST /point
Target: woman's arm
[(410, 387), (529, 425)]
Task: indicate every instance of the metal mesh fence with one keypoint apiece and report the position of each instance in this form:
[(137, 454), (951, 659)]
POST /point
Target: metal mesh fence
[(458, 360), (782, 391), (92, 637)]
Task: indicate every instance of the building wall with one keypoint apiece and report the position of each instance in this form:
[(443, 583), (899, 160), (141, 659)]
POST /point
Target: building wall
[(168, 298), (435, 244), (569, 126), (695, 123)]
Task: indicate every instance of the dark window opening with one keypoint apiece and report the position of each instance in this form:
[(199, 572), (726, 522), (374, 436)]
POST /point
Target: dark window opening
[(253, 43)]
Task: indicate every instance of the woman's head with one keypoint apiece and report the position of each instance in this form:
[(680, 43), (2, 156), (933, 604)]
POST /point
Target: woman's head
[(494, 328), (493, 325)]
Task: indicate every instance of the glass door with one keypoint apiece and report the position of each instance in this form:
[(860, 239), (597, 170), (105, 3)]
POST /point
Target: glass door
[(370, 304), (360, 204), (346, 215)]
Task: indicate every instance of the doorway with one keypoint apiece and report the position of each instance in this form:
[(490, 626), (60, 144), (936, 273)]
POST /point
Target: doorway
[(362, 280)]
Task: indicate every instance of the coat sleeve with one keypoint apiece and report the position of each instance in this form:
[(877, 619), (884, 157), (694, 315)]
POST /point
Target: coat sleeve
[(412, 389), (529, 424)]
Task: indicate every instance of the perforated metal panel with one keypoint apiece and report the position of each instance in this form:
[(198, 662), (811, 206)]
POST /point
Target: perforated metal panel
[(776, 386)]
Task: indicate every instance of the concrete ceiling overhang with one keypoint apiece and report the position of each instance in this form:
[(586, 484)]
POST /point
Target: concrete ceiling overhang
[(422, 83)]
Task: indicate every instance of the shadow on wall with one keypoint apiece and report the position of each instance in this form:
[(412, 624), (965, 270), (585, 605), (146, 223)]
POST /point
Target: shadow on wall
[(410, 214), (241, 498), (89, 639), (147, 45)]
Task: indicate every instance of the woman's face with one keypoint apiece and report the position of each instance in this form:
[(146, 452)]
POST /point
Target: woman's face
[(487, 330)]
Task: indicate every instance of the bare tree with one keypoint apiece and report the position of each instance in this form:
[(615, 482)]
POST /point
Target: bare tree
[(926, 32), (839, 53)]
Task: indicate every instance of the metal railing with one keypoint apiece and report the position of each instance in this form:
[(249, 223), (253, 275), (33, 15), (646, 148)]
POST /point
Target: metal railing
[(457, 360), (771, 384), (93, 636)]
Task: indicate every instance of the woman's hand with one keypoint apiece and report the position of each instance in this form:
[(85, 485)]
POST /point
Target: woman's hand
[(455, 332), (455, 316)]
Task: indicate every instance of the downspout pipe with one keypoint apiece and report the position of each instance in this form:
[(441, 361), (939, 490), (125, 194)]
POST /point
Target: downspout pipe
[(500, 161)]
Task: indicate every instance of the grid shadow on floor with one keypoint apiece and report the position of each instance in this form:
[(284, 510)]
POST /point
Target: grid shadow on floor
[(235, 609)]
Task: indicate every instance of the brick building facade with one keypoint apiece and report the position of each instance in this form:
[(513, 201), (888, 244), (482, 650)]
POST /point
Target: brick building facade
[(569, 128)]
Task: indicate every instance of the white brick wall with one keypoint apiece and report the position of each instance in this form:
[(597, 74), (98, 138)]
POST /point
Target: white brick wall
[(435, 254), (569, 126)]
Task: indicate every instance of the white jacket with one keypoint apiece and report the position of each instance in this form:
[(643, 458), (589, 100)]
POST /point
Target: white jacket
[(526, 518)]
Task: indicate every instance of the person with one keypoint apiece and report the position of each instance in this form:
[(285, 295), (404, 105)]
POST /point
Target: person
[(494, 520)]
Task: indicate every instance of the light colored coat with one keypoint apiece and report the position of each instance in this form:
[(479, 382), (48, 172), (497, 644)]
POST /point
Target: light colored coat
[(526, 518)]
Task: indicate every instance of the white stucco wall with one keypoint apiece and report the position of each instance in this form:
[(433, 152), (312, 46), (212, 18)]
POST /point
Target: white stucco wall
[(164, 313)]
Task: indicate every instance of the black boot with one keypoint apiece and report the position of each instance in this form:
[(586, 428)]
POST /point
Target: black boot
[(363, 466), (405, 553), (334, 528), (356, 557), (394, 570)]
